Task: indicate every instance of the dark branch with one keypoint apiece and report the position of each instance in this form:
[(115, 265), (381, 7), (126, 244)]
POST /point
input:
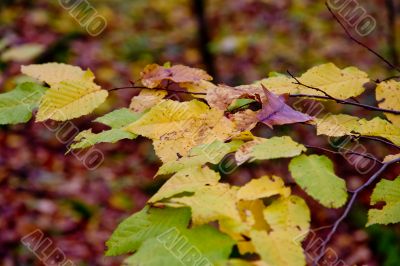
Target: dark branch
[(326, 96), (380, 140), (359, 42), (348, 208)]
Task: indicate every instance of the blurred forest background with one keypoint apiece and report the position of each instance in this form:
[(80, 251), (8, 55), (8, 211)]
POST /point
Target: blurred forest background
[(238, 42)]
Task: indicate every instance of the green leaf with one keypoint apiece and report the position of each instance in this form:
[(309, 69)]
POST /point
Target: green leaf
[(87, 138), (16, 106), (161, 237), (203, 245), (146, 224), (266, 149), (187, 180), (200, 155), (119, 118), (316, 176), (389, 192), (116, 120)]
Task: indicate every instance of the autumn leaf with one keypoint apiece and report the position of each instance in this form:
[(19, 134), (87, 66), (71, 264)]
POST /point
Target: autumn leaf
[(147, 99), (339, 83), (263, 187), (154, 74), (289, 214), (176, 127), (211, 203), (54, 73), (276, 112), (278, 248), (388, 97)]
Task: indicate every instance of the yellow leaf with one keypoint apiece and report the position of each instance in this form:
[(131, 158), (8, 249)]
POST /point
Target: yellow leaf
[(338, 83), (263, 187), (53, 73), (388, 96), (341, 125), (176, 127), (186, 180), (289, 214), (212, 203), (70, 99), (336, 125), (278, 248), (147, 99), (252, 214), (280, 85)]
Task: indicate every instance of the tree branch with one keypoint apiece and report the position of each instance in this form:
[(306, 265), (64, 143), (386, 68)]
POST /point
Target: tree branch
[(326, 96), (359, 42), (348, 208)]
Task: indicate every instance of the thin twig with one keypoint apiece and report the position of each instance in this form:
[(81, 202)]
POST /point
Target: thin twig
[(345, 102), (348, 208), (340, 101), (359, 42), (380, 140), (348, 151)]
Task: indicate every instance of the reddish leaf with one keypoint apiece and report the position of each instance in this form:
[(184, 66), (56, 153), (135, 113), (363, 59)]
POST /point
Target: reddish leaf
[(276, 112)]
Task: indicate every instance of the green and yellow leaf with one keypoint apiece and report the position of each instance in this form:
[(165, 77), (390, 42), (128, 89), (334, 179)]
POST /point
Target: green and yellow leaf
[(389, 192), (316, 176), (200, 155), (187, 180), (266, 149)]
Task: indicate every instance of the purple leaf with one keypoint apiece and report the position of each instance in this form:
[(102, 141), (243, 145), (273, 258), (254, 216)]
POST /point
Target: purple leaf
[(276, 112)]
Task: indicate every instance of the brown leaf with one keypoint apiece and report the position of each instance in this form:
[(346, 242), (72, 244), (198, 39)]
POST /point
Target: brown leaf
[(276, 112), (154, 74)]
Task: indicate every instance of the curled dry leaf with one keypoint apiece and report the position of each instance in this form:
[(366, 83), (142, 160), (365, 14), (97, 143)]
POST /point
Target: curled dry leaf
[(276, 112), (154, 74)]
